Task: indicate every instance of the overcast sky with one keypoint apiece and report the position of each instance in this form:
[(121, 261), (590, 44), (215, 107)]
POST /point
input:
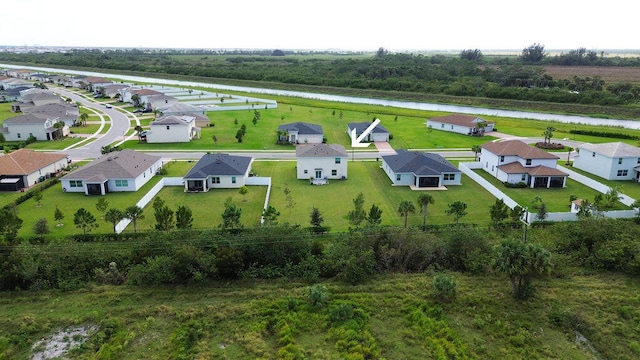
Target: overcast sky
[(328, 24)]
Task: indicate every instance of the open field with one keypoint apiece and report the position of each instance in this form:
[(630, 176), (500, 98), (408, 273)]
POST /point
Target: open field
[(610, 74), (392, 317)]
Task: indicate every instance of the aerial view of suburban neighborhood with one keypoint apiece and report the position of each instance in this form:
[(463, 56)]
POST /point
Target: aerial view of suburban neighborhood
[(486, 207)]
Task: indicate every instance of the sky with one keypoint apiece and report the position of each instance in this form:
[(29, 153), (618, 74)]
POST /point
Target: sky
[(322, 25)]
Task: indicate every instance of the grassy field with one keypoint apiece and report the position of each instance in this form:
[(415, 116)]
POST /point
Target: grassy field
[(393, 317)]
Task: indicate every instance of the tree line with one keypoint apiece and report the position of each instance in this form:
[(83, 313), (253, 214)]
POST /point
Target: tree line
[(471, 74)]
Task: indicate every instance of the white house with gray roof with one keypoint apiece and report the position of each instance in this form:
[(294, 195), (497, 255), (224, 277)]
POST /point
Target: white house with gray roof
[(40, 126), (173, 129), (321, 161), (300, 133), (379, 133), (125, 170), (420, 170), (218, 171), (68, 114), (611, 161)]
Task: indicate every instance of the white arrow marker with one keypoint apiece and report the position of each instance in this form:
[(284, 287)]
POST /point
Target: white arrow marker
[(356, 142)]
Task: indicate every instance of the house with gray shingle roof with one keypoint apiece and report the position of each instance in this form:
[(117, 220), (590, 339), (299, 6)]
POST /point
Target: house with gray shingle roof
[(40, 126), (461, 124), (420, 170), (611, 161), (514, 161), (125, 170), (66, 113), (23, 168), (173, 129), (379, 133), (300, 133), (321, 161), (218, 171)]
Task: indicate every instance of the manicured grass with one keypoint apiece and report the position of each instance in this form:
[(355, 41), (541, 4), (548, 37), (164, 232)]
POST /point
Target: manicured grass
[(335, 199), (627, 187), (556, 199)]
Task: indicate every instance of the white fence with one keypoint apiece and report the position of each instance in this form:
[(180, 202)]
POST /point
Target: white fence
[(627, 200), (257, 180)]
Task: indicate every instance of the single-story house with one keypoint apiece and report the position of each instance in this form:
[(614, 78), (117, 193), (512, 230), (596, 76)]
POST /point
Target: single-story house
[(514, 161), (611, 161), (218, 171), (125, 170), (300, 133), (40, 126), (173, 129), (420, 170), (23, 168), (321, 161), (379, 133), (461, 124)]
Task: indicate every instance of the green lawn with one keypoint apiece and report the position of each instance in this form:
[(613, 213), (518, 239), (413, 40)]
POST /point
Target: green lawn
[(627, 187), (556, 199), (334, 200)]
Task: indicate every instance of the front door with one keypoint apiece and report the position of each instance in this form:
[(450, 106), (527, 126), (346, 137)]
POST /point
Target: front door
[(318, 174)]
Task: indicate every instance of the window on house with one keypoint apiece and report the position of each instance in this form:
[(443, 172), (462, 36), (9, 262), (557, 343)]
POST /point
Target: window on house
[(502, 158), (168, 127), (442, 126), (334, 172), (306, 171), (449, 176), (638, 160), (528, 162), (619, 161), (398, 177), (215, 180), (18, 135), (451, 127), (623, 172), (524, 177), (122, 183), (593, 154), (75, 183), (233, 179), (338, 160)]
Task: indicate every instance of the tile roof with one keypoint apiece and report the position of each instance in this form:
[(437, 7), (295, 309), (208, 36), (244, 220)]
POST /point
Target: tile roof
[(517, 168), (321, 150), (219, 164), (613, 149), (362, 126), (517, 148), (458, 119), (123, 164), (302, 128), (25, 161), (419, 163)]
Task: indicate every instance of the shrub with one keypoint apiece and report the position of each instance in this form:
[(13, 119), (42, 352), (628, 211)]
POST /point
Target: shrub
[(317, 296), (444, 288)]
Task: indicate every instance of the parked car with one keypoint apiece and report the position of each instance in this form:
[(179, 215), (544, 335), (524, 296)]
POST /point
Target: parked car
[(107, 106)]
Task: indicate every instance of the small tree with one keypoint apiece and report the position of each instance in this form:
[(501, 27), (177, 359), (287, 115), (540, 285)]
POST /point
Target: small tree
[(316, 219), (239, 135), (231, 218), (542, 212), (58, 216), (83, 119), (164, 216), (84, 220), (375, 215), (499, 211), (134, 213), (317, 296), (358, 214), (102, 205), (516, 213), (41, 227), (243, 191), (444, 288), (10, 223), (457, 209), (521, 262), (270, 216), (424, 200), (288, 197), (184, 217), (548, 134), (404, 209), (37, 196), (215, 140), (139, 130), (477, 149), (114, 216)]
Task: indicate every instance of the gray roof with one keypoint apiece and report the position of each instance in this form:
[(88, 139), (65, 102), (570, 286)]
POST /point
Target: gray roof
[(27, 119), (302, 128), (321, 150), (362, 126), (173, 120), (419, 163), (182, 108), (219, 165), (613, 149), (125, 164), (56, 110)]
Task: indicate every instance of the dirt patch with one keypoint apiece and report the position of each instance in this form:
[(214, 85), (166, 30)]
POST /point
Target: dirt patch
[(57, 346)]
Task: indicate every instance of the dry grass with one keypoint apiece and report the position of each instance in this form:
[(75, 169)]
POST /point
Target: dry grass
[(610, 74)]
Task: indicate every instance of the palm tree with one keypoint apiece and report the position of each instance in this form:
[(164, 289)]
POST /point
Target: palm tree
[(114, 216), (138, 130), (424, 200), (83, 119), (404, 209), (59, 126), (476, 149), (134, 213)]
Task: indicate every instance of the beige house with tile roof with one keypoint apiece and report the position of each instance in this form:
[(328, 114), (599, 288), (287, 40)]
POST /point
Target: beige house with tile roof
[(461, 124), (125, 170), (514, 161), (23, 168)]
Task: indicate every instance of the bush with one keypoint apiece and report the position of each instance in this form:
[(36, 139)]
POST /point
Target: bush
[(317, 296), (444, 288), (158, 270)]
